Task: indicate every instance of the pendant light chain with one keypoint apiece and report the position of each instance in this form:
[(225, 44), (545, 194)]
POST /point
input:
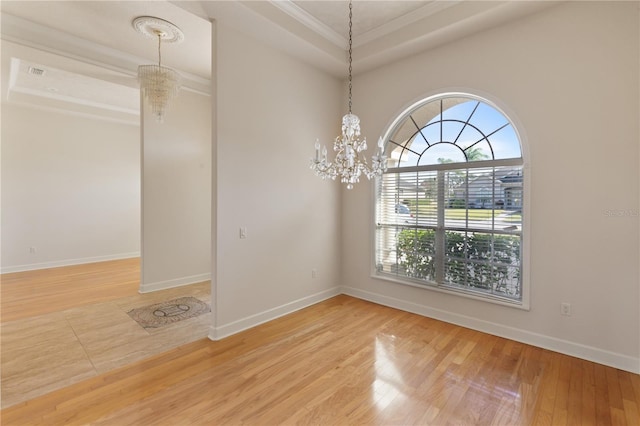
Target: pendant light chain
[(159, 54), (350, 42)]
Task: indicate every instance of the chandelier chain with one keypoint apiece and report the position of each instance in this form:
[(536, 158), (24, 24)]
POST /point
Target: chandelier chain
[(350, 50), (159, 54)]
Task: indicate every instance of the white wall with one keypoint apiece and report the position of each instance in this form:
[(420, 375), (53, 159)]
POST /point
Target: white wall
[(569, 78), (176, 194), (271, 108), (70, 189)]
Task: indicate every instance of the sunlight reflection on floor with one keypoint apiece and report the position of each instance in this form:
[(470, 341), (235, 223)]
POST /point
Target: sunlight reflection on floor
[(389, 380)]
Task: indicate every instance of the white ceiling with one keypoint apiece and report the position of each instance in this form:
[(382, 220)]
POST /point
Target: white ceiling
[(367, 16), (71, 35)]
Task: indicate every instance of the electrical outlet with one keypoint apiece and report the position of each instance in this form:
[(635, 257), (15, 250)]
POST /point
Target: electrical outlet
[(32, 250), (565, 309), (314, 273)]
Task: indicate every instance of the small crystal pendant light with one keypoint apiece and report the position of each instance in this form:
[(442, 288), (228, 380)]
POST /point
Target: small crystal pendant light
[(158, 83)]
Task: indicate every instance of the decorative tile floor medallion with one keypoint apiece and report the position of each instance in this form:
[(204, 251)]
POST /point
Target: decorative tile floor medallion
[(169, 312)]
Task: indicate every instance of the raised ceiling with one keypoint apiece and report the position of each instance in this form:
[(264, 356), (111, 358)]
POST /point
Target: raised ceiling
[(383, 31), (99, 33), (368, 16)]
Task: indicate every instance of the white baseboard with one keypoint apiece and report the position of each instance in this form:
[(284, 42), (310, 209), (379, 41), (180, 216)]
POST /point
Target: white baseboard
[(217, 333), (600, 356), (67, 262), (177, 282)]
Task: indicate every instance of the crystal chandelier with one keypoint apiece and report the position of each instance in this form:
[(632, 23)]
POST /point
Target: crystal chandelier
[(158, 84), (349, 162)]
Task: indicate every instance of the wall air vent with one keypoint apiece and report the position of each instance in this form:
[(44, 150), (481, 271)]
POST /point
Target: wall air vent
[(36, 71)]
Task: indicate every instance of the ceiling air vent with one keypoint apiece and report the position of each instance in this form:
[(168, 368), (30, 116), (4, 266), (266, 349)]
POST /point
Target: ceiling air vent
[(36, 71)]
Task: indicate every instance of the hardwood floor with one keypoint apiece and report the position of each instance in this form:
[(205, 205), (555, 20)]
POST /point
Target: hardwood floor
[(68, 324), (31, 293), (347, 361)]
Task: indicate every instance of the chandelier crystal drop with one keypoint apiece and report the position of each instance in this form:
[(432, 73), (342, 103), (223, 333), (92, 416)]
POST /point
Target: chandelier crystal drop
[(349, 163), (159, 84)]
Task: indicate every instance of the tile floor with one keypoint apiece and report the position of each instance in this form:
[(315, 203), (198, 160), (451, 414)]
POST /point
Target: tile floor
[(47, 352)]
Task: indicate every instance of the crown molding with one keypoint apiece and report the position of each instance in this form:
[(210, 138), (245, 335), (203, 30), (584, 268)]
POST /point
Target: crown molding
[(30, 34), (461, 19), (402, 21), (308, 20), (50, 105), (302, 16), (267, 22)]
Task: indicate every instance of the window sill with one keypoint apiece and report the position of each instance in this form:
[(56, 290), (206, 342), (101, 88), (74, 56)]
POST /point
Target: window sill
[(496, 300)]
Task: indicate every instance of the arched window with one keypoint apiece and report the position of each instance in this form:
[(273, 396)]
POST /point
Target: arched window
[(449, 208)]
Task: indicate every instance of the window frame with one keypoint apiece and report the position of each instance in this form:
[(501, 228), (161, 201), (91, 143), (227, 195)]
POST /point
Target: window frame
[(524, 302)]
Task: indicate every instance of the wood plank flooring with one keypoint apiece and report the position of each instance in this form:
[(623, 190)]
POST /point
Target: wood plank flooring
[(347, 361), (31, 293), (68, 324)]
